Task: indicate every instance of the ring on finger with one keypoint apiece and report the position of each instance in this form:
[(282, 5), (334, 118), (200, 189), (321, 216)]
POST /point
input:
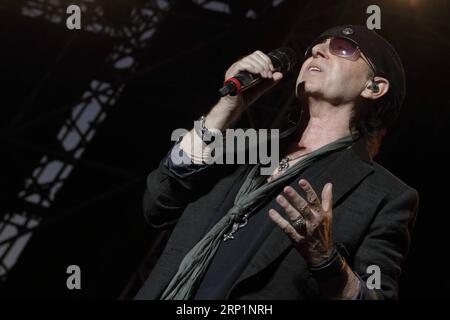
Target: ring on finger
[(298, 223)]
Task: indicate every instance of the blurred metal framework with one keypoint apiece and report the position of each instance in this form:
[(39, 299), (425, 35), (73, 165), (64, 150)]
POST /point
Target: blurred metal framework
[(85, 116)]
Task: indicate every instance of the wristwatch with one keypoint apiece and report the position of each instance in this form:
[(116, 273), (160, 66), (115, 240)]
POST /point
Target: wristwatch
[(204, 131)]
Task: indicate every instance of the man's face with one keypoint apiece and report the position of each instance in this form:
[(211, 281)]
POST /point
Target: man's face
[(331, 78)]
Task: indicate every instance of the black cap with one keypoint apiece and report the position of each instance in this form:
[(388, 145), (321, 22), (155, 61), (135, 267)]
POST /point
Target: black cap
[(381, 54)]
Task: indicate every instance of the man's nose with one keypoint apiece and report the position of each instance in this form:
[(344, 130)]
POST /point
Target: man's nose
[(320, 50)]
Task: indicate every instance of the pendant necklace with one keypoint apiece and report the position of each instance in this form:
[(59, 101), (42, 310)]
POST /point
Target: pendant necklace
[(284, 163)]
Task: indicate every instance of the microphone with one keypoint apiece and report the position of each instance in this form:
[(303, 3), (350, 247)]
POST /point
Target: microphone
[(283, 59)]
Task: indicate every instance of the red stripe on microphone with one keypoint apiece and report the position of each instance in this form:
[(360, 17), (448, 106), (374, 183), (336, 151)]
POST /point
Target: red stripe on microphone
[(236, 83)]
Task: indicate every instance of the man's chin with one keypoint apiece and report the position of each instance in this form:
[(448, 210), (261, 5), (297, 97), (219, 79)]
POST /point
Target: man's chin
[(304, 90)]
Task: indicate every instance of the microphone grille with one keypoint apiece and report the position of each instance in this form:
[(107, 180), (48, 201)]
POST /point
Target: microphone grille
[(283, 59)]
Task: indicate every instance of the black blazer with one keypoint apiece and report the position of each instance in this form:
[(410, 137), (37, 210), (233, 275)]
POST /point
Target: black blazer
[(373, 215)]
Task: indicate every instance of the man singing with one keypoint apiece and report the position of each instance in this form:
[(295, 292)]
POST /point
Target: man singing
[(325, 222)]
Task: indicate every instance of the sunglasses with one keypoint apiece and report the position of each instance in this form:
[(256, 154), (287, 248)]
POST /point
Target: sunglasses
[(343, 48)]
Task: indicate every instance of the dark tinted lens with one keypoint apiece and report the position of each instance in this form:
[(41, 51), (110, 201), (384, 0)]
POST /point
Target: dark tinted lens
[(342, 47)]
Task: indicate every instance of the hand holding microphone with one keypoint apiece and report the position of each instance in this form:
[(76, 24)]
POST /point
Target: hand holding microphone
[(245, 81), (257, 67)]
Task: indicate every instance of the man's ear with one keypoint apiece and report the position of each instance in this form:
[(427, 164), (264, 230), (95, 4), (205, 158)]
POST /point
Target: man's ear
[(375, 88)]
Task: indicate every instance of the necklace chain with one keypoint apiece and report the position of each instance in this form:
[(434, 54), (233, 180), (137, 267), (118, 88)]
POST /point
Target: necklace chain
[(284, 163)]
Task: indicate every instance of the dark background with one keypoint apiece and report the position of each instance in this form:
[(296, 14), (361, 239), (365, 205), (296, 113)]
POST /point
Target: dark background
[(180, 51)]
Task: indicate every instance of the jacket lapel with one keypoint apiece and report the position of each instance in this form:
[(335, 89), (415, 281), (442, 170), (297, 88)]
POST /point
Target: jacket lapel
[(345, 173)]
